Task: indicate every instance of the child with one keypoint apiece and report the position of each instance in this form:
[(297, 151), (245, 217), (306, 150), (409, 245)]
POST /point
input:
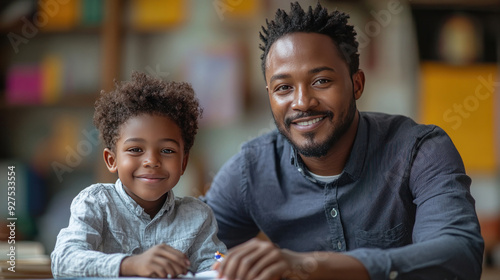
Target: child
[(137, 226)]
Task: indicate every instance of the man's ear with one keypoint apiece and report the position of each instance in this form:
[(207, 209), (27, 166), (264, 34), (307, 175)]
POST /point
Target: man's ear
[(110, 160), (185, 162), (358, 81)]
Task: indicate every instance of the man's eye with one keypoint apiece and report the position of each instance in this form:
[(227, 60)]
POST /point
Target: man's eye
[(283, 88), (321, 81)]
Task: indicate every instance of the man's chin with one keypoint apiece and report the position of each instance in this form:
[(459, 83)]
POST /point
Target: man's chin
[(306, 144), (315, 151), (310, 147)]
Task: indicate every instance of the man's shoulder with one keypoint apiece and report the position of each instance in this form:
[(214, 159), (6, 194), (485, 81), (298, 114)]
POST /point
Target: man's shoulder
[(396, 125), (269, 140)]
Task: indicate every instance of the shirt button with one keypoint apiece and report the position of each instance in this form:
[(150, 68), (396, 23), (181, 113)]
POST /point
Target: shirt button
[(393, 275), (333, 213), (339, 245)]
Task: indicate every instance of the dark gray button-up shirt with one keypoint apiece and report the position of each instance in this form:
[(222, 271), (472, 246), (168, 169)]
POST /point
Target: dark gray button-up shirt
[(401, 206)]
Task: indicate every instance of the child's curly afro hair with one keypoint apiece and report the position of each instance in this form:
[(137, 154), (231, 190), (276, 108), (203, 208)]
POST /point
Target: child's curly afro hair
[(147, 95)]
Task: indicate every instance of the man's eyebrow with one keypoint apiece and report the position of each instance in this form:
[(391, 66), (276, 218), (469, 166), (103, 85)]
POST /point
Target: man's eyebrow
[(320, 69), (312, 71), (279, 76)]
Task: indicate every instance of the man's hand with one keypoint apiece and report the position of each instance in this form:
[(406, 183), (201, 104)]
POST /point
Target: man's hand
[(255, 259), (159, 261)]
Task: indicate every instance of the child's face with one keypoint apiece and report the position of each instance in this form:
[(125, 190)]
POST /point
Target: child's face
[(149, 157)]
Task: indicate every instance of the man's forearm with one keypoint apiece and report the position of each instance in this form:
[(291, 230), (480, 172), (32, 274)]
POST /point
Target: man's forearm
[(325, 265)]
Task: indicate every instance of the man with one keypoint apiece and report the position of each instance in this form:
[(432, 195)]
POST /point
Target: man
[(341, 194)]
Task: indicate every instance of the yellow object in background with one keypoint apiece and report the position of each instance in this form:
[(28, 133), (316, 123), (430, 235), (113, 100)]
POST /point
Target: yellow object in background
[(157, 14), (239, 8), (51, 69), (462, 100), (55, 16)]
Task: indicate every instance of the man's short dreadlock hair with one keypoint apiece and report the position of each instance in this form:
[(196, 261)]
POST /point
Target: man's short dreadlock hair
[(147, 95), (319, 21)]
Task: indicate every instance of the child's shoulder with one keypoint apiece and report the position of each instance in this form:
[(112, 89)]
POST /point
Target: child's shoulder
[(98, 190), (192, 204), (96, 194)]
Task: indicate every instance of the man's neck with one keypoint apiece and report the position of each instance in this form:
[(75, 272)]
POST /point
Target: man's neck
[(335, 160)]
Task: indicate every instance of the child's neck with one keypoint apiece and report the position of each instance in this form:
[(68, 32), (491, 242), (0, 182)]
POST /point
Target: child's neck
[(152, 208)]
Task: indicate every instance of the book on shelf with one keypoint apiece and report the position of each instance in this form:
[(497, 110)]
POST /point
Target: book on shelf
[(23, 85), (47, 81), (92, 12), (157, 14), (67, 15), (56, 16)]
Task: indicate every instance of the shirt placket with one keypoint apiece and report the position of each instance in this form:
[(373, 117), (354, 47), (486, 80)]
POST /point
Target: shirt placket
[(332, 213)]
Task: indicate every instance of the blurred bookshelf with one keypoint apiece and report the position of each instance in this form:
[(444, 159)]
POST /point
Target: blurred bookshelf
[(61, 67), (55, 52), (56, 58)]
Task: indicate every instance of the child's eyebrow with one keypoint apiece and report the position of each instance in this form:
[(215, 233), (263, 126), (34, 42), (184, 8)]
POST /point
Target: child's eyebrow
[(134, 140), (141, 140)]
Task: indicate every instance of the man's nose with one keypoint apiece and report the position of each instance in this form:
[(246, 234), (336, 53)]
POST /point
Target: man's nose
[(304, 99)]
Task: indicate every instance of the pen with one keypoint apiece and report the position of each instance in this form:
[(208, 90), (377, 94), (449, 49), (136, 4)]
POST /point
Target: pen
[(219, 256)]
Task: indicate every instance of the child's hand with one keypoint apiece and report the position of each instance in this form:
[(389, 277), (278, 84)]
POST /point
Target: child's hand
[(159, 261)]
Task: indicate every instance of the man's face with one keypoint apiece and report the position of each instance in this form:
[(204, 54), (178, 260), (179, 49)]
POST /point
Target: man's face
[(311, 92)]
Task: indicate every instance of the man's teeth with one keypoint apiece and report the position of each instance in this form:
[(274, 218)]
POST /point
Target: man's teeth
[(310, 122)]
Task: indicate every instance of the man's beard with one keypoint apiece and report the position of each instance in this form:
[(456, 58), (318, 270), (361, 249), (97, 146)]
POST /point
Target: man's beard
[(312, 148)]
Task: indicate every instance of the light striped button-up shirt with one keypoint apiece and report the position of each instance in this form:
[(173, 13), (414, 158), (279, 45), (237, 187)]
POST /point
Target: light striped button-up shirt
[(107, 225)]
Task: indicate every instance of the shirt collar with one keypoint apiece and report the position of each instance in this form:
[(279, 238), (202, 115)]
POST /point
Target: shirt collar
[(136, 208), (355, 162)]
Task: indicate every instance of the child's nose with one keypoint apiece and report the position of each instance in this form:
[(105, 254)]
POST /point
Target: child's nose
[(151, 161)]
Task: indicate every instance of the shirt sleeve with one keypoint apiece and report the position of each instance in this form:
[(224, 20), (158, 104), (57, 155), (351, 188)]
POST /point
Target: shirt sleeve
[(226, 197), (201, 253), (76, 250), (447, 243)]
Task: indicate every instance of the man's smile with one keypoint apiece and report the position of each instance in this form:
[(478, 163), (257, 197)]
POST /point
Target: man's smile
[(307, 122)]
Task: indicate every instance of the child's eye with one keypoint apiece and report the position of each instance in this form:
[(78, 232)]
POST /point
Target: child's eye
[(167, 151), (134, 150)]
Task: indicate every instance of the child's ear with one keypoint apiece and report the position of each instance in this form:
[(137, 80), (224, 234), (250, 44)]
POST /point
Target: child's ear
[(110, 160), (184, 162)]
